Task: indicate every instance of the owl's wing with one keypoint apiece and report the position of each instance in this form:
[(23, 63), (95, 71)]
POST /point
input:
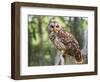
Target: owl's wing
[(71, 44), (67, 38)]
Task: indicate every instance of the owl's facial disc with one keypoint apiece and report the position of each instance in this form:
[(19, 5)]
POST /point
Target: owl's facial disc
[(55, 27)]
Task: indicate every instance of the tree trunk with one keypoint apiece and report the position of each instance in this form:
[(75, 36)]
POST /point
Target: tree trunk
[(41, 48)]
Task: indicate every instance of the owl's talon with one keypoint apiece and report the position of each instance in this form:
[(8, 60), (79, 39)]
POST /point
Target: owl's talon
[(81, 62)]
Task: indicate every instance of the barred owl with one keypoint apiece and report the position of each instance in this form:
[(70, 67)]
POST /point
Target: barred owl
[(64, 42)]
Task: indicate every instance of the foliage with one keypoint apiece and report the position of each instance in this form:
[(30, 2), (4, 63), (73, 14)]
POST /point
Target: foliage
[(41, 51)]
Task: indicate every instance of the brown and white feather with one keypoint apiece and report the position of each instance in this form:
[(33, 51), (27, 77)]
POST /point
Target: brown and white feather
[(65, 41)]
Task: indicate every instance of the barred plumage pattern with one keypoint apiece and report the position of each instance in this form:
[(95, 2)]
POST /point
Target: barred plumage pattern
[(65, 41)]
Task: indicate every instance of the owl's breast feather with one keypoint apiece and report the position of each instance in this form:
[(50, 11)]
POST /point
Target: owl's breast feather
[(58, 44)]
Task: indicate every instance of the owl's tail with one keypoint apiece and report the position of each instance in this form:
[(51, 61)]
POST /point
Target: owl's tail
[(79, 57)]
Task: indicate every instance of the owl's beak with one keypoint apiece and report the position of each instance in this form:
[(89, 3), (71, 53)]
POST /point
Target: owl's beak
[(55, 30)]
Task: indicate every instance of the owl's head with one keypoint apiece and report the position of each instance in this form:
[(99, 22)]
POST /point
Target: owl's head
[(54, 26)]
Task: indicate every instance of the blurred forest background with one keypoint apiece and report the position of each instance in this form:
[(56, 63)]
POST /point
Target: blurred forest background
[(41, 51)]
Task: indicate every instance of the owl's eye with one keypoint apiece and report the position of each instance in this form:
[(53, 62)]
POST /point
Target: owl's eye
[(52, 26), (57, 26)]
